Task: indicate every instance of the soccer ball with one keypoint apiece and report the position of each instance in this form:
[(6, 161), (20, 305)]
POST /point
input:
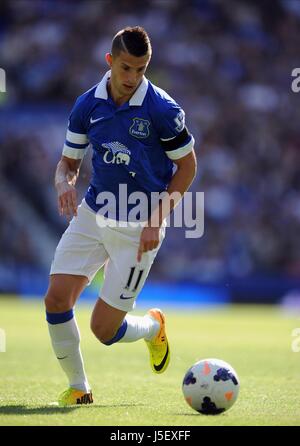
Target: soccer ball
[(210, 386)]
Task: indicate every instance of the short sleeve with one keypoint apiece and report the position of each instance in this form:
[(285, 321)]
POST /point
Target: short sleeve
[(174, 136), (76, 142)]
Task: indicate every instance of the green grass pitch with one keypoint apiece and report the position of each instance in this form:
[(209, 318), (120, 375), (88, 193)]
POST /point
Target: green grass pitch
[(256, 341)]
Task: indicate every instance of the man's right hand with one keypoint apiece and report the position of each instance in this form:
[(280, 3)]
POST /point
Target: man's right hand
[(67, 199)]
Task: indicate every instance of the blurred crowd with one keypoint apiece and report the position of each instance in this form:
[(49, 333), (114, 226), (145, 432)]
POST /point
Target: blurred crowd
[(228, 63)]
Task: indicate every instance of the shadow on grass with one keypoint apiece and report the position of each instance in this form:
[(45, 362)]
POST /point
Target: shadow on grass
[(185, 414), (48, 410), (25, 410), (200, 415)]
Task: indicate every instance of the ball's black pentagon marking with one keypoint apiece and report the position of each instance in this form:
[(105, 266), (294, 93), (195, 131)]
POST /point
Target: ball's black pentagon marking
[(208, 407), (189, 378), (224, 374)]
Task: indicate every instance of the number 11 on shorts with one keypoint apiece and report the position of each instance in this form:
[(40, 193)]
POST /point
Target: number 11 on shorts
[(130, 278)]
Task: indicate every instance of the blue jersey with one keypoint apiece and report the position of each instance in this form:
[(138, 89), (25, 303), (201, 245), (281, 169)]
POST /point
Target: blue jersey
[(133, 145)]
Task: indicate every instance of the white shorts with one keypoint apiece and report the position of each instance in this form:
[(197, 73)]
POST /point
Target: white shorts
[(85, 247)]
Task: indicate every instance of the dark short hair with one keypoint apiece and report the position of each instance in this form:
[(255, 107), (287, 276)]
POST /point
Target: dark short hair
[(132, 40)]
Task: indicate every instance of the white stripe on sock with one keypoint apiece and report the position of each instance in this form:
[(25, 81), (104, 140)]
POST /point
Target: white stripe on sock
[(140, 327)]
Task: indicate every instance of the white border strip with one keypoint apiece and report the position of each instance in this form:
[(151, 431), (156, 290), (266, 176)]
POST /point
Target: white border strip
[(76, 138), (75, 154), (182, 151)]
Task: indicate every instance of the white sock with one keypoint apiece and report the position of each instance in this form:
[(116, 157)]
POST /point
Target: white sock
[(139, 327), (65, 339)]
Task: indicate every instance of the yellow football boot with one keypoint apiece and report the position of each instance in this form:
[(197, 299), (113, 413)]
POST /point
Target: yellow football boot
[(158, 346), (72, 396)]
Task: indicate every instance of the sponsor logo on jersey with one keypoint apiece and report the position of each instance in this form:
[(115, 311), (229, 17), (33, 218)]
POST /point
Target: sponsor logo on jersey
[(116, 153), (140, 128)]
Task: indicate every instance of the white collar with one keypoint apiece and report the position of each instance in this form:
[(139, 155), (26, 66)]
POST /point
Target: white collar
[(136, 99)]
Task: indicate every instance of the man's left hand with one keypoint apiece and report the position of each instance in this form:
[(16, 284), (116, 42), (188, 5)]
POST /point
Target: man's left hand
[(149, 240)]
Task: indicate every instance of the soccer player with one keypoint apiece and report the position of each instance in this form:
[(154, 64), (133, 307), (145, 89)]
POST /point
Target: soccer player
[(138, 134)]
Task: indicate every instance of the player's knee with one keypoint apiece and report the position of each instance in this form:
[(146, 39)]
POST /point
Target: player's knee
[(102, 333), (57, 303)]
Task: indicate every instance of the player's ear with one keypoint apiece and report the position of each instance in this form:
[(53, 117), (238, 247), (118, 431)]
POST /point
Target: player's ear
[(108, 58)]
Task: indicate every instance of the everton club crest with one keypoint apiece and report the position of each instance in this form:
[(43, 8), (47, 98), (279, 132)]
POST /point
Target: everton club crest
[(140, 128)]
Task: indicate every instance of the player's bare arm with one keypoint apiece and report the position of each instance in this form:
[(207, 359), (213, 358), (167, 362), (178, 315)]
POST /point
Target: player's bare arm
[(65, 179), (180, 183)]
